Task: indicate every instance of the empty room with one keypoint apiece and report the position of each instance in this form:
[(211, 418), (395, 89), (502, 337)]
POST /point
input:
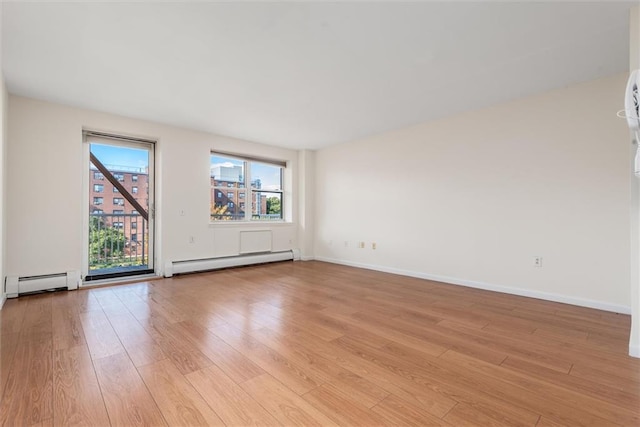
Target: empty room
[(320, 213)]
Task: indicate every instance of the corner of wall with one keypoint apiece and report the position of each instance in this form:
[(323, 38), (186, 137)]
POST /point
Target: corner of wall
[(306, 204)]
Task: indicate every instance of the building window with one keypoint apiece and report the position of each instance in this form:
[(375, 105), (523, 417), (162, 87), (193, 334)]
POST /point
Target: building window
[(134, 178), (134, 224), (97, 211), (115, 190), (118, 211), (98, 175), (119, 176), (266, 188), (98, 188), (98, 200), (118, 224), (119, 201), (134, 237), (134, 190)]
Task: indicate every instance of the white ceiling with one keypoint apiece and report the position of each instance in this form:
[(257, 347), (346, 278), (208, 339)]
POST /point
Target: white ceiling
[(305, 75)]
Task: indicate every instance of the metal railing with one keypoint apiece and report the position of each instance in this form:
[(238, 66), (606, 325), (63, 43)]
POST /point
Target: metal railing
[(241, 217), (118, 241)]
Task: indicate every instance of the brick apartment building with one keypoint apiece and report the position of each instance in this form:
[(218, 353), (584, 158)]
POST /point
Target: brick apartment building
[(108, 204), (228, 190)]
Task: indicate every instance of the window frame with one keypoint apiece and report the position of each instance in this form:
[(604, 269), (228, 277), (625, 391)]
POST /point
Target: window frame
[(247, 187)]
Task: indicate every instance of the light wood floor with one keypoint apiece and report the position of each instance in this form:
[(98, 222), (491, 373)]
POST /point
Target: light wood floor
[(310, 343)]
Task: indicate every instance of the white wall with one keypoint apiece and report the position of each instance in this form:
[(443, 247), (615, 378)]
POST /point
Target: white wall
[(3, 149), (46, 202), (634, 64), (306, 198), (3, 182), (473, 198)]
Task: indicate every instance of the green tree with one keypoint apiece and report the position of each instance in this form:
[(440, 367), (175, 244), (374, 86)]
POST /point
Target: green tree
[(274, 206), (105, 241), (220, 213)]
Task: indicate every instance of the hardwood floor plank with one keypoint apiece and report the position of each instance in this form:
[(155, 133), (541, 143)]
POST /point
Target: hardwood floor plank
[(28, 395), (465, 415), (629, 383), (12, 316), (38, 317), (99, 335), (599, 391), (232, 404), (126, 397), (8, 345), (397, 412), (139, 344), (544, 398), (511, 346), (352, 385), (77, 400), (178, 401), (340, 410), (67, 327), (429, 373), (238, 367), (292, 375), (283, 404), (385, 376), (185, 356), (393, 333)]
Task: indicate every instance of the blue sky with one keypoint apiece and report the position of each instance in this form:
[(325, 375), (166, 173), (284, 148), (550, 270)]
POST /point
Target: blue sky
[(121, 156)]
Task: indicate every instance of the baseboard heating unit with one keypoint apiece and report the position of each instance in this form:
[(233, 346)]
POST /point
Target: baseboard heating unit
[(15, 285), (192, 266)]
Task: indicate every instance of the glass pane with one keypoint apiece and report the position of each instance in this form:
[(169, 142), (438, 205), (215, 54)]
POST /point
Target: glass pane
[(227, 187), (267, 205), (266, 177)]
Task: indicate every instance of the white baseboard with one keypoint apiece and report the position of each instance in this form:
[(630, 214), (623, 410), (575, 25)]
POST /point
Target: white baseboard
[(307, 258), (634, 350), (582, 302), (3, 298)]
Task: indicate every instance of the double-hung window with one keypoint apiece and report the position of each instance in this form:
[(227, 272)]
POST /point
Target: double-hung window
[(257, 180)]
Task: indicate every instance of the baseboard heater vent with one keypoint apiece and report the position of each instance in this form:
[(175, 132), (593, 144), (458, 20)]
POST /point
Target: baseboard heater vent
[(192, 266), (15, 285)]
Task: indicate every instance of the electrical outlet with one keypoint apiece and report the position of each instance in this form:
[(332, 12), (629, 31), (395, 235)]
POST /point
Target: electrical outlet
[(537, 261), (373, 246), (361, 245)]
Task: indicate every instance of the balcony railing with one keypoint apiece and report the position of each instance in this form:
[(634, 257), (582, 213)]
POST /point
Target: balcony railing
[(118, 241)]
